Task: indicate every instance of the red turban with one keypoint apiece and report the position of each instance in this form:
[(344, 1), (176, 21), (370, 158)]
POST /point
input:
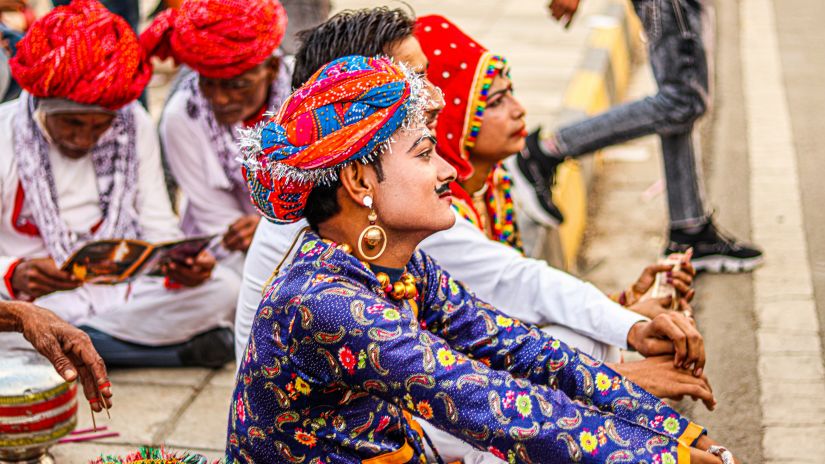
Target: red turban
[(463, 70), (219, 39), (83, 53)]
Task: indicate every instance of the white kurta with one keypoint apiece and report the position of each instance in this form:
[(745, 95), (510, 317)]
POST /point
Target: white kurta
[(147, 312), (527, 289)]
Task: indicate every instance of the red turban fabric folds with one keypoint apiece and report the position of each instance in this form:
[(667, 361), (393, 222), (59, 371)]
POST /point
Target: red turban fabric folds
[(219, 39), (83, 53)]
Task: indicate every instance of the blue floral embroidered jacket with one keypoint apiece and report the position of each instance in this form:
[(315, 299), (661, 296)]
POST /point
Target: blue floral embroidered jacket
[(334, 367)]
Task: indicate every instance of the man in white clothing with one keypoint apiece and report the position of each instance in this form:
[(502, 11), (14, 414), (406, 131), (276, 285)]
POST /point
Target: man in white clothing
[(237, 78), (79, 161)]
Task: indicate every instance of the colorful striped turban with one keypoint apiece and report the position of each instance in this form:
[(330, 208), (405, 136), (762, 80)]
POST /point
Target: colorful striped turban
[(464, 70), (219, 39), (346, 111), (83, 53)]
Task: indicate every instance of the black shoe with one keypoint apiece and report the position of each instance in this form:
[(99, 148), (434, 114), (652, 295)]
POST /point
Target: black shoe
[(714, 251), (210, 349), (538, 167)]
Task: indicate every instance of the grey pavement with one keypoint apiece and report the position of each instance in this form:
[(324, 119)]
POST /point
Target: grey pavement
[(186, 409)]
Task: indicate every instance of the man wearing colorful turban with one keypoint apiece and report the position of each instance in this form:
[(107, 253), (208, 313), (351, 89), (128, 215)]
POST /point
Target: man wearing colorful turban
[(80, 162), (363, 330), (231, 45)]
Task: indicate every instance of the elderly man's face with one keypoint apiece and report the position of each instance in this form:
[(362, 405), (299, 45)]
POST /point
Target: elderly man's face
[(75, 134), (241, 97)]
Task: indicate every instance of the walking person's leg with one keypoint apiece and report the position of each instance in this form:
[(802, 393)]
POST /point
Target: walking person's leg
[(680, 67)]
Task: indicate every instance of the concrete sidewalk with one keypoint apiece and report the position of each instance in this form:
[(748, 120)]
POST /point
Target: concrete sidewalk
[(186, 409)]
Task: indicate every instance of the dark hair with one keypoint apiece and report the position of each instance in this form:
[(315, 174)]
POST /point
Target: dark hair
[(365, 32)]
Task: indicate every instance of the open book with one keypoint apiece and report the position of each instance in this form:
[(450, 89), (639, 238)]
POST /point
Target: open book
[(118, 260)]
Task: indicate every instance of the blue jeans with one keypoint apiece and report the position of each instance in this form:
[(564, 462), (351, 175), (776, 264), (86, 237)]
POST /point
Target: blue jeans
[(680, 67)]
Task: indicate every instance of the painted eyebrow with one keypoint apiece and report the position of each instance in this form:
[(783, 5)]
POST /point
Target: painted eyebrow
[(421, 139), (509, 88)]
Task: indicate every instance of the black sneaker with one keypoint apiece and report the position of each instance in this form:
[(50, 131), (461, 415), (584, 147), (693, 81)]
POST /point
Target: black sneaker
[(714, 251), (538, 167), (210, 349)]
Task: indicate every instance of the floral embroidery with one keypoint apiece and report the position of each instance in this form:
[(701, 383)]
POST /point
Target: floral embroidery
[(306, 439), (446, 357), (425, 409), (524, 405), (588, 441), (602, 382), (347, 359), (391, 314), (671, 425), (503, 321)]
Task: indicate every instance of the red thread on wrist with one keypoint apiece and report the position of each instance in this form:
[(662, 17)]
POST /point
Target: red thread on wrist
[(7, 278), (170, 284)]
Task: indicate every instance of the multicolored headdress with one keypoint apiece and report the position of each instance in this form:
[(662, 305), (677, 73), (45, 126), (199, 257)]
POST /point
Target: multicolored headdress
[(219, 39), (346, 112), (464, 70), (83, 53)]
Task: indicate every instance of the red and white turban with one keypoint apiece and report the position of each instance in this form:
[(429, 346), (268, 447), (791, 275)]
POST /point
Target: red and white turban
[(83, 53), (219, 39)]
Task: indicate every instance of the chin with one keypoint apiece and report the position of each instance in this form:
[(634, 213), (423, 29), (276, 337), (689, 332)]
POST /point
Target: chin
[(517, 146)]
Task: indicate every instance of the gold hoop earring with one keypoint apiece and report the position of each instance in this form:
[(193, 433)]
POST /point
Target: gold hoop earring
[(372, 235)]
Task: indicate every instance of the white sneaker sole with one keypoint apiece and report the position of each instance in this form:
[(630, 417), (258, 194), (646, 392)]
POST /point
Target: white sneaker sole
[(718, 264)]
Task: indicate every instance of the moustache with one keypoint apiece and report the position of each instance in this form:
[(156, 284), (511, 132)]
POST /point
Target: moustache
[(444, 188)]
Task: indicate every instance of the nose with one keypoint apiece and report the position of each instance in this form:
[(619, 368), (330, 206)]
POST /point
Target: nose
[(518, 110), (219, 97), (445, 171)]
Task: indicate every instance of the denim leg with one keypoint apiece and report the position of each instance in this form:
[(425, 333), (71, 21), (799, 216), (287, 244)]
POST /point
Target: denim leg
[(677, 57), (117, 353)]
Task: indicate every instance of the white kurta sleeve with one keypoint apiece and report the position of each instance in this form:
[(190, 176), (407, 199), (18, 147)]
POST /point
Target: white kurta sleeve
[(528, 289), (189, 154), (157, 219)]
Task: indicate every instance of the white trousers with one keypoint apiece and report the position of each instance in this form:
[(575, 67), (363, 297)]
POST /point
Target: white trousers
[(146, 312)]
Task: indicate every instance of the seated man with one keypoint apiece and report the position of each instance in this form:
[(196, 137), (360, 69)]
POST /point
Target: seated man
[(230, 46), (364, 330), (79, 161), (527, 289)]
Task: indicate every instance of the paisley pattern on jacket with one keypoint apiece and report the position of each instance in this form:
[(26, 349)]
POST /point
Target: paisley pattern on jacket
[(332, 364)]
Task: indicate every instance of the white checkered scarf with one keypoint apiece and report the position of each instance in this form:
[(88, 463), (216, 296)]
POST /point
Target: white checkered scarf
[(116, 167)]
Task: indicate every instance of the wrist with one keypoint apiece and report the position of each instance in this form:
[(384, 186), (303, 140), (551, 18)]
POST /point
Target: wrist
[(633, 335)]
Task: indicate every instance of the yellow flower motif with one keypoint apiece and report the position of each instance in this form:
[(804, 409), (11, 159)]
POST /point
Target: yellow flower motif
[(302, 387), (603, 382), (588, 441), (446, 357), (504, 321), (391, 314), (667, 458)]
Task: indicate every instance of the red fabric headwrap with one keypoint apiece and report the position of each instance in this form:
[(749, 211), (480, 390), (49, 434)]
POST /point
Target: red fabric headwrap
[(83, 53), (219, 39), (463, 70)]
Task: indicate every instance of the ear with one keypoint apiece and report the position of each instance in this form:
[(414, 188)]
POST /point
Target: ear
[(272, 65), (357, 181)]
